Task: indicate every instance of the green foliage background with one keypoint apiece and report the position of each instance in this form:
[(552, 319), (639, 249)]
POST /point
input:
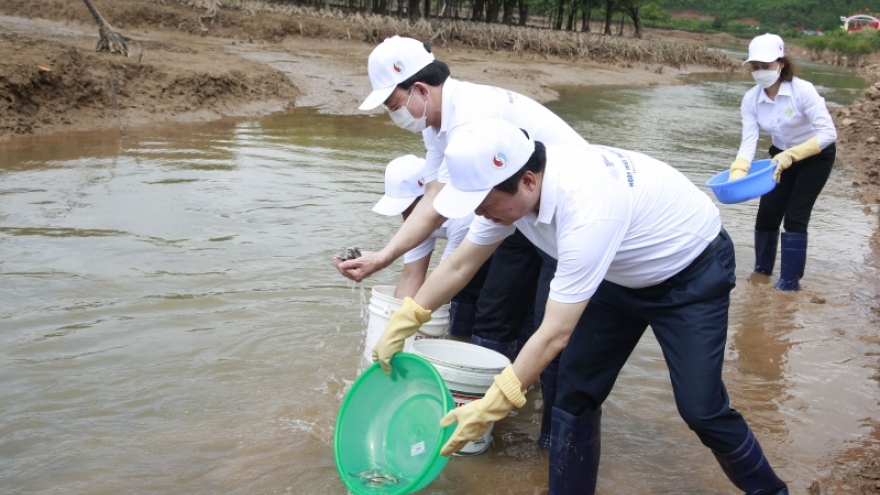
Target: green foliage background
[(823, 15)]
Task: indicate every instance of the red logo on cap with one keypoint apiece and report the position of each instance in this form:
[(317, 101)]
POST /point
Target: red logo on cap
[(398, 66), (499, 160), (420, 182)]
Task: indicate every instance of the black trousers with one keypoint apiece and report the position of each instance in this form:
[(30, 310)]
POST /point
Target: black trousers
[(792, 200), (505, 307), (688, 314)]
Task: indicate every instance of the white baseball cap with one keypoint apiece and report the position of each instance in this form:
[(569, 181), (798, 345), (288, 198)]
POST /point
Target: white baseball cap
[(395, 60), (404, 182), (481, 154), (765, 48)]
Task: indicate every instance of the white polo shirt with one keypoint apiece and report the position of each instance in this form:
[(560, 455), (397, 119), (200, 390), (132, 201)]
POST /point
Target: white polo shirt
[(453, 230), (797, 114), (464, 101), (611, 214)]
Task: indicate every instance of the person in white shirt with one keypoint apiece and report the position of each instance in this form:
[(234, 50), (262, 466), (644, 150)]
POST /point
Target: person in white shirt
[(404, 188), (637, 244), (803, 145), (420, 96)]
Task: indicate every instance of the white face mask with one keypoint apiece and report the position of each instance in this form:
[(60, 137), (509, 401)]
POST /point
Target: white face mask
[(766, 78), (406, 121)]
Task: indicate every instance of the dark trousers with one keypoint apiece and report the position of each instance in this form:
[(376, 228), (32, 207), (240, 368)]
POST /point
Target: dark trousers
[(542, 293), (792, 200), (471, 292), (463, 310), (506, 302), (688, 314)]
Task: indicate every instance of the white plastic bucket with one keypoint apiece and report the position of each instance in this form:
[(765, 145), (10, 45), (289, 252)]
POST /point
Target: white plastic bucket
[(468, 371), (383, 304)]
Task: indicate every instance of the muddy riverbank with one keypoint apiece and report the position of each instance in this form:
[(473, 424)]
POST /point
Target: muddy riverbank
[(52, 80)]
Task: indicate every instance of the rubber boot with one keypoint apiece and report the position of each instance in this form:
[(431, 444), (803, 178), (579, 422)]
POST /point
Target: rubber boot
[(462, 316), (548, 394), (749, 470), (509, 349), (794, 259), (765, 251), (574, 452)]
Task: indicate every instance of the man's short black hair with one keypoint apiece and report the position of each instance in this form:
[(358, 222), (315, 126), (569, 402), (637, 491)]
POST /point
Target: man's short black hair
[(433, 74), (535, 164)]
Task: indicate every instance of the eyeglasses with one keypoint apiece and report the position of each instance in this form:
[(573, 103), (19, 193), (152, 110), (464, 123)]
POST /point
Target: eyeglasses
[(401, 103)]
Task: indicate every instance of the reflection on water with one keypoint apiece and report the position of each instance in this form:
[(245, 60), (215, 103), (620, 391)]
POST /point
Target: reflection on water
[(171, 322)]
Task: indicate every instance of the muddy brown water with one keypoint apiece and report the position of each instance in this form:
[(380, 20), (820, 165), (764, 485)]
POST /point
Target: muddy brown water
[(170, 321)]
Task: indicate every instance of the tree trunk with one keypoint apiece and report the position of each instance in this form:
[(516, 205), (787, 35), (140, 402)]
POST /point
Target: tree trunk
[(572, 15), (586, 19), (494, 8), (634, 14), (110, 40), (523, 11), (560, 12), (479, 7), (507, 18), (609, 16)]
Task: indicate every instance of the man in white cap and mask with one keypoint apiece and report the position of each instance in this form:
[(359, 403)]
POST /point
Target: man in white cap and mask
[(404, 188), (420, 96), (637, 244)]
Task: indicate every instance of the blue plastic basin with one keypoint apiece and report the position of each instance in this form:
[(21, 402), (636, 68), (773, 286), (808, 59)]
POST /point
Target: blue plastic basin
[(758, 182)]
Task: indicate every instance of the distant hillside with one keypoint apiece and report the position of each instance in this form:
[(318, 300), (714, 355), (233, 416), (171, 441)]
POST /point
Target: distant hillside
[(823, 15)]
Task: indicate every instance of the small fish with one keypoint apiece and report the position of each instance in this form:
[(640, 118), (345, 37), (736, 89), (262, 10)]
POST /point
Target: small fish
[(385, 478), (349, 253), (366, 473), (375, 478), (375, 484)]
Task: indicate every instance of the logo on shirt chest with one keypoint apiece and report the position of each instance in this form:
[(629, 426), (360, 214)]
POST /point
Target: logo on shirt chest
[(789, 112)]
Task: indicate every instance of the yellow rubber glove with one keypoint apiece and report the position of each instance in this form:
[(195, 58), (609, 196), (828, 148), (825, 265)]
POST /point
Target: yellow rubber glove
[(797, 153), (474, 417), (739, 169), (403, 324)]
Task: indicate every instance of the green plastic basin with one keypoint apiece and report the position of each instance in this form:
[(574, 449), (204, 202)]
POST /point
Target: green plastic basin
[(388, 436)]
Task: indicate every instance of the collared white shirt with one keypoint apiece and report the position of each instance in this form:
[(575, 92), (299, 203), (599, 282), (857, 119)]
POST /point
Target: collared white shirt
[(797, 114), (611, 214), (464, 101), (453, 230)]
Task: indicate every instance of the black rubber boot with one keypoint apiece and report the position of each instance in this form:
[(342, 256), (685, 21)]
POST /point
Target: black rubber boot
[(548, 394), (509, 349), (794, 260), (750, 471), (765, 251), (574, 452)]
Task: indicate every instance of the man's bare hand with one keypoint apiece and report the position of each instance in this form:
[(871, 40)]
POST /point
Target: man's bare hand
[(359, 268)]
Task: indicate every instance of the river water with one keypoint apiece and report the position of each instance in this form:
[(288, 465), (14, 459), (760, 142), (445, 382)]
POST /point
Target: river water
[(170, 321)]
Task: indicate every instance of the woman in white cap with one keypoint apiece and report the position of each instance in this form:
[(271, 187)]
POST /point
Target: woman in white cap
[(803, 137), (638, 245), (404, 188)]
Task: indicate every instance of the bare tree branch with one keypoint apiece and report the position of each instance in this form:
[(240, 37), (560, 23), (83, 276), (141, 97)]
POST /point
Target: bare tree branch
[(110, 40)]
